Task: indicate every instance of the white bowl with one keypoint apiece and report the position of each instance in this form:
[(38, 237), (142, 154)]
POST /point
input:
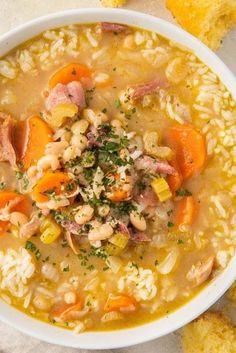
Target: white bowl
[(208, 296)]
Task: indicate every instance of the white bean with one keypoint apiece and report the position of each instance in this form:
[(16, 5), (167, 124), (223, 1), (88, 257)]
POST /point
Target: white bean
[(80, 127), (62, 134), (71, 152), (138, 221), (56, 148), (32, 171), (84, 214), (79, 141), (103, 210), (103, 232), (48, 162), (18, 218), (95, 119), (70, 297)]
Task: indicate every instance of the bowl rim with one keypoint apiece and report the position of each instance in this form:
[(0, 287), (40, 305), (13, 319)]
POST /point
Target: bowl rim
[(209, 295)]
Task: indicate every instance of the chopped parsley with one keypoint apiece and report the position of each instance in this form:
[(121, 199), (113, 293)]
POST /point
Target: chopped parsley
[(170, 224), (180, 242), (183, 192), (169, 212), (117, 103), (22, 176), (104, 110), (29, 245), (66, 269), (2, 185), (123, 207)]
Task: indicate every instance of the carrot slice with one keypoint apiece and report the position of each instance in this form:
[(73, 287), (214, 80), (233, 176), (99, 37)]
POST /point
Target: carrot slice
[(71, 72), (31, 137), (65, 311), (174, 181), (190, 148), (20, 203), (50, 184), (120, 302), (185, 211)]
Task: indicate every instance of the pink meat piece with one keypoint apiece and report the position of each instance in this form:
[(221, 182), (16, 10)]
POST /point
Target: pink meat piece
[(73, 92), (147, 198), (123, 229), (71, 226), (140, 90), (138, 237), (147, 163), (114, 27), (7, 152)]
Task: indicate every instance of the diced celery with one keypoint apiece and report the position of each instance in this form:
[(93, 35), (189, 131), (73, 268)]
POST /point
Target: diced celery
[(161, 188), (119, 239), (60, 112), (113, 250), (50, 231)]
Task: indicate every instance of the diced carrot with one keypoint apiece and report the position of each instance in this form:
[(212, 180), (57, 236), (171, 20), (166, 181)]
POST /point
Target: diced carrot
[(31, 137), (71, 72), (65, 311), (120, 302), (118, 193), (51, 184), (174, 181), (17, 203), (189, 147), (185, 211)]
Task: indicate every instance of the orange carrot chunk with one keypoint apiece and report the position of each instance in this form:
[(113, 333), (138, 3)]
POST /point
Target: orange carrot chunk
[(185, 211), (69, 73), (174, 181), (50, 185), (31, 137), (16, 203), (120, 302), (189, 147)]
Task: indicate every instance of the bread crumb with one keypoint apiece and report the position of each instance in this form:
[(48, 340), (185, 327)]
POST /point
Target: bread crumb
[(210, 333), (231, 294), (112, 3), (209, 20)]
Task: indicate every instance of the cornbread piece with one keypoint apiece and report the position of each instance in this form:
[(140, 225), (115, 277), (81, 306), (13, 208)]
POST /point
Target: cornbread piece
[(231, 294), (210, 333), (209, 20), (112, 3)]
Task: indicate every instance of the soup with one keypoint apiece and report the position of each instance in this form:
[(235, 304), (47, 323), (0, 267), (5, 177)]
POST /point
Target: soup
[(117, 170)]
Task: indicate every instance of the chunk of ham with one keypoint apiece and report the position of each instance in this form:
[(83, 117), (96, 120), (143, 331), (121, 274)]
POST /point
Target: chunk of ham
[(147, 198), (138, 91), (138, 237), (7, 152), (73, 92), (147, 163), (71, 226), (114, 27), (201, 271), (30, 228)]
